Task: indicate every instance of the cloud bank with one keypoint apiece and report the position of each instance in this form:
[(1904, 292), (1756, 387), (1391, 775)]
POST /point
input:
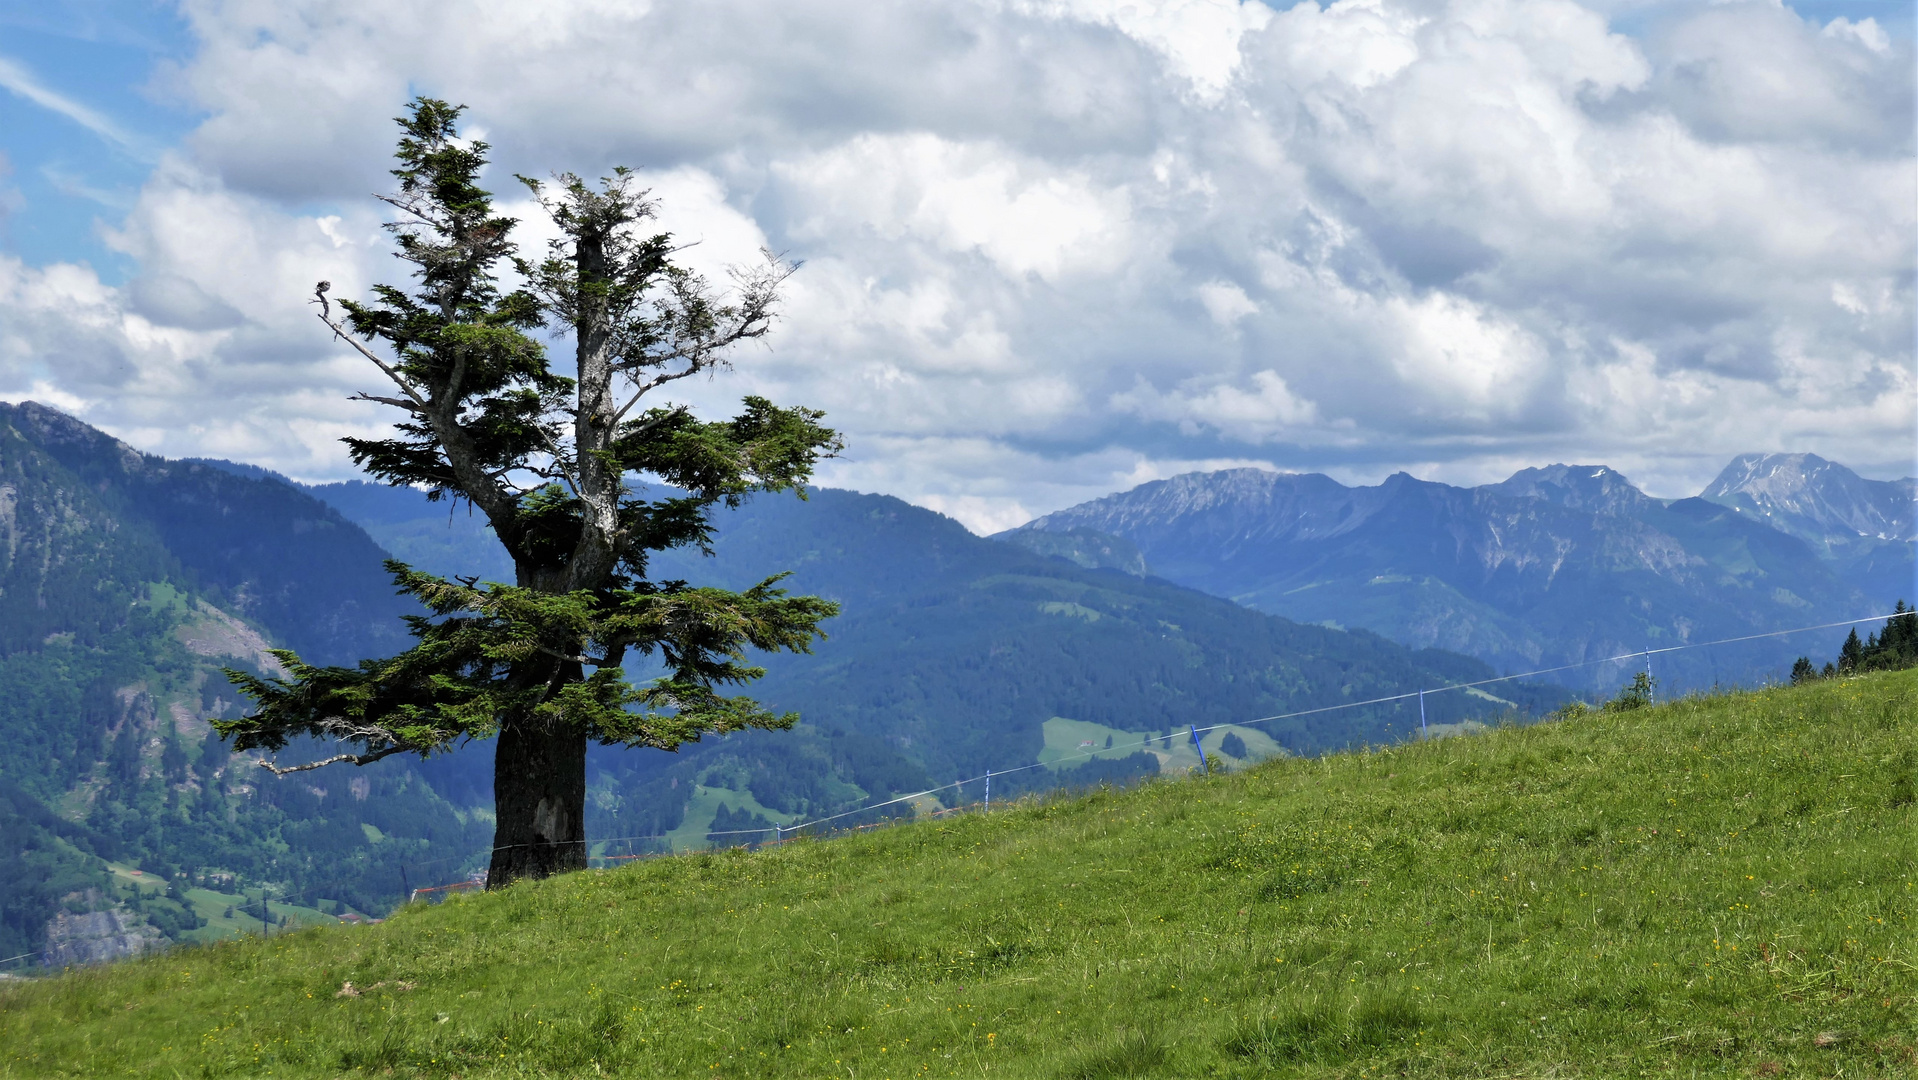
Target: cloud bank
[(1058, 248)]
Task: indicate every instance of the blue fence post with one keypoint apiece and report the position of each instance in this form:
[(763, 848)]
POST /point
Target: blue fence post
[(1651, 695), (1198, 746), (988, 791), (1421, 714)]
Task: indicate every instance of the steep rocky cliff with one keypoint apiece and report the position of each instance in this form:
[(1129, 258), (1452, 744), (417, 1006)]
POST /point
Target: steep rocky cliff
[(1864, 528), (97, 935)]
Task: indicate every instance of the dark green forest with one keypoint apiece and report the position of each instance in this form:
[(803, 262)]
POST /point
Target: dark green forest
[(1890, 649)]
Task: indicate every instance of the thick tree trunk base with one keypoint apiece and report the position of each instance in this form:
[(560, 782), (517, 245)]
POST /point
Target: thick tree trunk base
[(539, 795)]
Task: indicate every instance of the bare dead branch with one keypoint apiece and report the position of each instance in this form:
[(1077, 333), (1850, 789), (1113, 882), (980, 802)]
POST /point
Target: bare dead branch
[(398, 380), (577, 658), (399, 403), (408, 206), (357, 759), (650, 385), (559, 461)]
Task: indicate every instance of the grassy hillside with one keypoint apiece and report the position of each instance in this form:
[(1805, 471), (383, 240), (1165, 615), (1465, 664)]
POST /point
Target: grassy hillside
[(1715, 887)]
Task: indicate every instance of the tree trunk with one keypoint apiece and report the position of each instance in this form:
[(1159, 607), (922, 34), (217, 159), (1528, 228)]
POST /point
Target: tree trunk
[(539, 796)]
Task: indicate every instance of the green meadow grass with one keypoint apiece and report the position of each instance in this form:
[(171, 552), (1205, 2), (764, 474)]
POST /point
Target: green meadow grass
[(1720, 886), (1073, 742), (705, 805), (213, 906)]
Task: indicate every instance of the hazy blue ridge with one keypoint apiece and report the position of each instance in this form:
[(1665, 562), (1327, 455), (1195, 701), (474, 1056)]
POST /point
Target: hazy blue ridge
[(958, 648), (1085, 548), (444, 538), (1556, 565)]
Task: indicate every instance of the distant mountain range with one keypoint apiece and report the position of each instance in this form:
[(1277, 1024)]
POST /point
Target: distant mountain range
[(1863, 529), (1816, 500), (1556, 565), (127, 582)]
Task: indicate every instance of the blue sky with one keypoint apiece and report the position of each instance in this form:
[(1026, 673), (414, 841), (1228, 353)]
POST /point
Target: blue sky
[(1043, 292), (111, 60)]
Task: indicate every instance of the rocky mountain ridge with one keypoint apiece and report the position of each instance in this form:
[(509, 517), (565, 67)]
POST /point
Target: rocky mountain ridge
[(1559, 564), (1818, 501)]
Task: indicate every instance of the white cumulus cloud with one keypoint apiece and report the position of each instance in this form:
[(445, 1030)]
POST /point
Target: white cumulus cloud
[(1054, 246)]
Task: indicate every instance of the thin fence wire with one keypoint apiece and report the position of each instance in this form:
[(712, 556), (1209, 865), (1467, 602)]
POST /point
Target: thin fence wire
[(813, 827)]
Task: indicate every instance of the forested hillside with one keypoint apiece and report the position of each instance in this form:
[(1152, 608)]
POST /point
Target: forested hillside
[(127, 583)]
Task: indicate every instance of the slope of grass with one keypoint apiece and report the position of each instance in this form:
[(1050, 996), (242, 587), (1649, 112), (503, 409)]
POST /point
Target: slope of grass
[(1715, 887)]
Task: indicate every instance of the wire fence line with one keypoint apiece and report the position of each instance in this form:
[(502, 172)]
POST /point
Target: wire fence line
[(814, 826)]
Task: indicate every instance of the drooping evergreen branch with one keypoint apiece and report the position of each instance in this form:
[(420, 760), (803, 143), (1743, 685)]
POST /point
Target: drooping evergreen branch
[(455, 682)]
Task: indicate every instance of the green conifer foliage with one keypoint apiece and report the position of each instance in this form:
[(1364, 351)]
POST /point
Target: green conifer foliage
[(1851, 654), (556, 460), (1894, 647)]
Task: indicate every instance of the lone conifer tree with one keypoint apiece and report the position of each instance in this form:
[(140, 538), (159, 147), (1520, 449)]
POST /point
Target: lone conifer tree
[(1850, 654), (547, 458)]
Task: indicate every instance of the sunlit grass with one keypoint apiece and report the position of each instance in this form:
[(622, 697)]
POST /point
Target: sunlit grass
[(1716, 887)]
